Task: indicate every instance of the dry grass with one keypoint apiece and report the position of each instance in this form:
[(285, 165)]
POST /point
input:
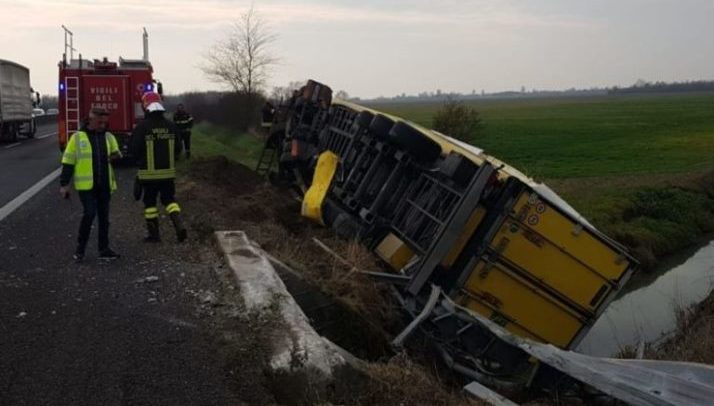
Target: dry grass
[(693, 338), (403, 382), (229, 196)]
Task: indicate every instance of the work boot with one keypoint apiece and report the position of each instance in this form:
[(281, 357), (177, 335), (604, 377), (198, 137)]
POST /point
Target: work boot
[(108, 255), (181, 233), (78, 255), (188, 154), (152, 225)]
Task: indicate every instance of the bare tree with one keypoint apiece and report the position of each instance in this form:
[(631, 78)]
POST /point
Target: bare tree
[(243, 59)]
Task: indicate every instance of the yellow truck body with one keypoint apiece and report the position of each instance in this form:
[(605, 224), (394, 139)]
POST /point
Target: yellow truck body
[(541, 271)]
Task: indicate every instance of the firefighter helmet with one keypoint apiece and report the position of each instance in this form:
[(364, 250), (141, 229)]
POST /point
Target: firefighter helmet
[(152, 102)]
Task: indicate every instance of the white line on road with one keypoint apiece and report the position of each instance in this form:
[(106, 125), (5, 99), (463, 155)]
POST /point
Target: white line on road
[(42, 137), (27, 194), (12, 145)]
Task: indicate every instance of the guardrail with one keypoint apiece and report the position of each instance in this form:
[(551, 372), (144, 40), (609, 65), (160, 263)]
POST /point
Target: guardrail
[(46, 119)]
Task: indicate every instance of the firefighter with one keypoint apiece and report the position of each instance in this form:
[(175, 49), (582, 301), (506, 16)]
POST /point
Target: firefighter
[(184, 123), (154, 144), (87, 158), (267, 115)]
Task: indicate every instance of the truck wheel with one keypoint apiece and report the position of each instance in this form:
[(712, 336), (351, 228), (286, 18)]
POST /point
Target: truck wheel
[(363, 119), (380, 126), (13, 131), (408, 138), (31, 129)]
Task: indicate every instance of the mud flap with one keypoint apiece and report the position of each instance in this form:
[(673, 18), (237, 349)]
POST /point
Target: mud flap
[(315, 195)]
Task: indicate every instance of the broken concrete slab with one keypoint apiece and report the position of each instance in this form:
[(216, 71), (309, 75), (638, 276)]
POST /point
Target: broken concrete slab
[(301, 348)]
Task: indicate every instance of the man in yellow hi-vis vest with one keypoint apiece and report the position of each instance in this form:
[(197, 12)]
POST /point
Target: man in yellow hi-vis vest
[(155, 146), (87, 159)]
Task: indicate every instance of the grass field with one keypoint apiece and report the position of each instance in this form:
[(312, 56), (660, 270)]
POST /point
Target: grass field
[(210, 140), (582, 137)]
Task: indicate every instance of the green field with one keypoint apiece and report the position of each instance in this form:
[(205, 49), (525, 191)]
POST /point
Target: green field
[(209, 140), (594, 136)]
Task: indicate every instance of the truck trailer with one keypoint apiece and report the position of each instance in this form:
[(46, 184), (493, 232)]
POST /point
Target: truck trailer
[(455, 226), (16, 102)]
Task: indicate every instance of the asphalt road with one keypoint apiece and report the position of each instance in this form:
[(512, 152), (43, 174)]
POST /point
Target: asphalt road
[(24, 163), (98, 333)]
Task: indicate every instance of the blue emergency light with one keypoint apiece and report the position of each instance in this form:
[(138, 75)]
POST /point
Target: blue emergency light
[(61, 87), (148, 87)]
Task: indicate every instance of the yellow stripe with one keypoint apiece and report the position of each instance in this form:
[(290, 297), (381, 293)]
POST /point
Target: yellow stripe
[(151, 213), (171, 153), (173, 208), (150, 165), (157, 174)]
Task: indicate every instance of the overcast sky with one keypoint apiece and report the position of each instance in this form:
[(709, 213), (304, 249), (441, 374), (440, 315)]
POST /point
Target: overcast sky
[(372, 48)]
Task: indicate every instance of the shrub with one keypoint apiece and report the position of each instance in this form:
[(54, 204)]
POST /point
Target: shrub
[(457, 120)]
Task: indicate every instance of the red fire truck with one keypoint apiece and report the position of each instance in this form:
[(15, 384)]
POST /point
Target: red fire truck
[(117, 87)]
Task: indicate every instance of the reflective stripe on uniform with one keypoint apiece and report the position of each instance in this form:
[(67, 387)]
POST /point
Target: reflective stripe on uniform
[(172, 143), (151, 213), (145, 174), (150, 165), (173, 208)]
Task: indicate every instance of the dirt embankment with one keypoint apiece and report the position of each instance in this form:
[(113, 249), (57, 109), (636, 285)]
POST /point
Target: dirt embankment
[(222, 195), (694, 337)]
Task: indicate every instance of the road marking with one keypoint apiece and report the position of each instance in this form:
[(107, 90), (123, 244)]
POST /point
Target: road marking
[(28, 194), (42, 137), (12, 145)]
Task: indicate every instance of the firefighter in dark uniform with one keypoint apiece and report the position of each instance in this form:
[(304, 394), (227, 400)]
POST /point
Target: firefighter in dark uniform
[(155, 145), (184, 123)]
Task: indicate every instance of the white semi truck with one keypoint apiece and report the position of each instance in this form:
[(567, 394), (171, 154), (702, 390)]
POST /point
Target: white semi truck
[(16, 102)]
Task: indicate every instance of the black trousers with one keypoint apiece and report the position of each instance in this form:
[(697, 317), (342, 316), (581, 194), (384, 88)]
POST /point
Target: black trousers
[(163, 189), (95, 204), (186, 138)]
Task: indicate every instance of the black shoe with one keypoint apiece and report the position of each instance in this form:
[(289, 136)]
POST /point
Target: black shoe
[(152, 239), (182, 234), (108, 255), (78, 257)]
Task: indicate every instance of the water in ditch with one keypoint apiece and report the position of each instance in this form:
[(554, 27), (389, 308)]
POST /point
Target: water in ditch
[(647, 310)]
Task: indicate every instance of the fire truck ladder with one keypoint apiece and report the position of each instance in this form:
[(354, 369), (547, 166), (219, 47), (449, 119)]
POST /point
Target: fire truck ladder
[(72, 104)]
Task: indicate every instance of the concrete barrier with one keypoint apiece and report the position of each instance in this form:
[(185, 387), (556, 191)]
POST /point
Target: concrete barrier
[(301, 359)]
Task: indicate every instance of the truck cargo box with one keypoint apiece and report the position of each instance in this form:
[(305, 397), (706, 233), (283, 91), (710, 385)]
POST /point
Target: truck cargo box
[(15, 91)]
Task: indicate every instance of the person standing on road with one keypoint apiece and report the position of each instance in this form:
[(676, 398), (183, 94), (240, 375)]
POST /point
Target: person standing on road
[(184, 123), (87, 158), (155, 146)]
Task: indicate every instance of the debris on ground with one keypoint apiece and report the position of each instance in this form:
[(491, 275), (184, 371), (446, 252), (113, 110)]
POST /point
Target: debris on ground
[(147, 279)]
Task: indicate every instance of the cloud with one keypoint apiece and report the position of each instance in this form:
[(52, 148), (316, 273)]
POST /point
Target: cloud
[(206, 15)]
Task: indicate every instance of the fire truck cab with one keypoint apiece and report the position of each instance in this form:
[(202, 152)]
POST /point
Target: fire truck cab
[(117, 87)]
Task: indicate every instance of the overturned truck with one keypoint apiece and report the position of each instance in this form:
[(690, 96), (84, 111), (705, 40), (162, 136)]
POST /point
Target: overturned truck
[(463, 232)]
